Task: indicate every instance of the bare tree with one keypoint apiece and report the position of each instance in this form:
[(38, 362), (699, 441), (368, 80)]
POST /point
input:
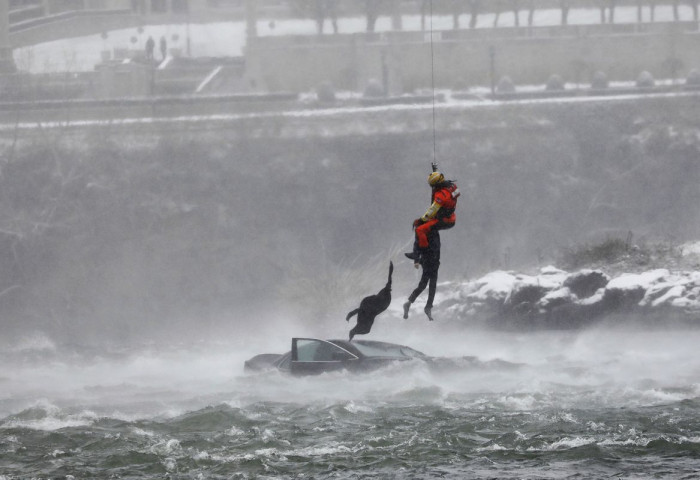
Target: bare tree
[(515, 6), (639, 10), (695, 5), (607, 11), (502, 5), (676, 13), (372, 9), (425, 8), (611, 5), (474, 8), (497, 4), (530, 12), (453, 7), (331, 11), (652, 9), (319, 14), (564, 5), (318, 10), (456, 7)]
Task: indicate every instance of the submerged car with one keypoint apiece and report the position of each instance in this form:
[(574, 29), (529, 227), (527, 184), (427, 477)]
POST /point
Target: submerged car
[(310, 356)]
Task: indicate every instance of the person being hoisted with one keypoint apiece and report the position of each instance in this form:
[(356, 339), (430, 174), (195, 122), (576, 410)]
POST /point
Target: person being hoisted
[(439, 216)]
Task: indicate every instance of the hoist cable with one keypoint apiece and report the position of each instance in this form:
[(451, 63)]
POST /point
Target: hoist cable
[(432, 80)]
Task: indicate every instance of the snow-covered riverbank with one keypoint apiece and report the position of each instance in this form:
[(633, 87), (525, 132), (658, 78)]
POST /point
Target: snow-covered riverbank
[(555, 297)]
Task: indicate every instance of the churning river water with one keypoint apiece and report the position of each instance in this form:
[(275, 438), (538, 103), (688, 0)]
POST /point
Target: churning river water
[(601, 403)]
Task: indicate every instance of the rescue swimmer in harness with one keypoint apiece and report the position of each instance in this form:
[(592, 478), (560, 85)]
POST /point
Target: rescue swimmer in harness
[(439, 216)]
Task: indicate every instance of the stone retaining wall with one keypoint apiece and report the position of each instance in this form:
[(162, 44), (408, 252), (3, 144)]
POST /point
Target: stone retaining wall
[(406, 61)]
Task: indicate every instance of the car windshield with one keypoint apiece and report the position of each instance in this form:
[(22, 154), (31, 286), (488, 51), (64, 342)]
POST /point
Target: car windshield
[(379, 349), (311, 350)]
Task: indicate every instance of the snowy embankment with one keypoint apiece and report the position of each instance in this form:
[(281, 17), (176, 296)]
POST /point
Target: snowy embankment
[(554, 297)]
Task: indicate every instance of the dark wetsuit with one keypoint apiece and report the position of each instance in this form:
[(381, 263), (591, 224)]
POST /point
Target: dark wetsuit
[(430, 262)]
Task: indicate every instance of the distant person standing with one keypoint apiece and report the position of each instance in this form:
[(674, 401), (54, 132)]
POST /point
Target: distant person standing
[(163, 47), (150, 47)]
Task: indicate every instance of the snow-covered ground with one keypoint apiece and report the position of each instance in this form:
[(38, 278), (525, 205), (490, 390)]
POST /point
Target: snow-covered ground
[(228, 38)]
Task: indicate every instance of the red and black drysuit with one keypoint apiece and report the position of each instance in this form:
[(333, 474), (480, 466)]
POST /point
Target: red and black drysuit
[(439, 216)]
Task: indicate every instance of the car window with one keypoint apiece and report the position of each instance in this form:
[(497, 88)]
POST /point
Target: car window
[(378, 349), (283, 363), (320, 351)]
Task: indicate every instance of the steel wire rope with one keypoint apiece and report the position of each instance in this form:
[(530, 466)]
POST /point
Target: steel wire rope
[(432, 81)]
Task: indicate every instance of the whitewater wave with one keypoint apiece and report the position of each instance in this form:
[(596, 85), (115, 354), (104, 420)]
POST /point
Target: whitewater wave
[(48, 417)]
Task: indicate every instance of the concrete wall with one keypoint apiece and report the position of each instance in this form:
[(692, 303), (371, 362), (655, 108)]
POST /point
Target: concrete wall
[(124, 80), (528, 56)]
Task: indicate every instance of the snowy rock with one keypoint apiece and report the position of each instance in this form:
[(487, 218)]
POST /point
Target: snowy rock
[(637, 281), (552, 277), (585, 283), (674, 290), (628, 290), (594, 299), (494, 287), (557, 297), (692, 248), (524, 297)]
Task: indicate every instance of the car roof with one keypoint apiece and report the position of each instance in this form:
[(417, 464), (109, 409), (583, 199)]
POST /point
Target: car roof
[(365, 342), (375, 343)]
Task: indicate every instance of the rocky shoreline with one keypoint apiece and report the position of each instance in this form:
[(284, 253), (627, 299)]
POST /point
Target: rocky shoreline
[(552, 297)]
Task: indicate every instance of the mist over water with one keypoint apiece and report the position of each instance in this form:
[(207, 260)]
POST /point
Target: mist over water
[(296, 215), (566, 401), (613, 366)]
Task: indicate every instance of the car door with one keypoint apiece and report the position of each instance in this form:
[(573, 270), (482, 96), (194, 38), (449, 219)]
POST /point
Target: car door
[(312, 356)]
